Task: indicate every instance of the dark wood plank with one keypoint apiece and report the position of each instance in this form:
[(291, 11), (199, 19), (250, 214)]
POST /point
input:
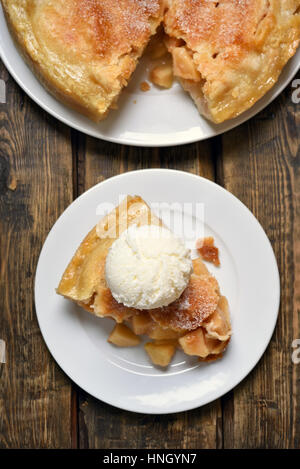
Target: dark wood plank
[(100, 425), (258, 162), (261, 166), (103, 426), (35, 187)]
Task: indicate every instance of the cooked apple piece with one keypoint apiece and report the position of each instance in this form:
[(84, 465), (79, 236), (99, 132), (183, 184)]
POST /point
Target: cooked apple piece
[(157, 49), (199, 343), (162, 75), (193, 343), (160, 354), (142, 323), (183, 64), (218, 324), (159, 333), (123, 336), (215, 346)]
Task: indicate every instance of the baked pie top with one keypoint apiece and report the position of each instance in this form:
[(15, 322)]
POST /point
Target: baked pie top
[(198, 301), (84, 51)]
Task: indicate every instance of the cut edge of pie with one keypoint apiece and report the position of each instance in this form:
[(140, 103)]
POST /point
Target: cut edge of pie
[(228, 54)]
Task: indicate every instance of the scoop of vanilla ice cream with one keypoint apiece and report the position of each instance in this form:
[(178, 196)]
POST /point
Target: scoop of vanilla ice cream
[(147, 267)]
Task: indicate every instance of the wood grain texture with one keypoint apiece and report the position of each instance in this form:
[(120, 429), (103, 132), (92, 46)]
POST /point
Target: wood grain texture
[(260, 164), (100, 425), (43, 166), (35, 187)]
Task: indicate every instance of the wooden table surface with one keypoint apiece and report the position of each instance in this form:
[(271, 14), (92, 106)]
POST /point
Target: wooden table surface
[(44, 165)]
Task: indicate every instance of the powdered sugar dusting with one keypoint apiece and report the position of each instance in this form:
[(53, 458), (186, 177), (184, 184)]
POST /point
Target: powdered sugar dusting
[(221, 22), (198, 301), (184, 304), (111, 25)]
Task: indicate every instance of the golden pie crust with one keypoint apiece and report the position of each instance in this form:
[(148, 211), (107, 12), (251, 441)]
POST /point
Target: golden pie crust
[(83, 51), (198, 321), (227, 54)]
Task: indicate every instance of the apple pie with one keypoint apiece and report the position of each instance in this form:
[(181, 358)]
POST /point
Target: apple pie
[(227, 54), (198, 322)]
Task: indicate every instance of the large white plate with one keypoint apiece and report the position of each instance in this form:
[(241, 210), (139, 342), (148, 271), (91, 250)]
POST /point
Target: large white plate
[(155, 118), (248, 276)]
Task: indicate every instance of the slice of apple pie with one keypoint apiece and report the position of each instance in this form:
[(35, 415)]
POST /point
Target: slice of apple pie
[(197, 321), (83, 51)]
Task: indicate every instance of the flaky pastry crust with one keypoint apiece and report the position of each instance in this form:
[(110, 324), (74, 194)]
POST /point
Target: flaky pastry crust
[(83, 51)]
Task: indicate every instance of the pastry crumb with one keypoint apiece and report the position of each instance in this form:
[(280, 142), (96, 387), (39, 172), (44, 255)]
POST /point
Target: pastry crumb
[(208, 251), (144, 86)]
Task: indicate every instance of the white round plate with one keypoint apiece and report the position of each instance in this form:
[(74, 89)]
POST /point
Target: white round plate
[(248, 276), (156, 118)]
